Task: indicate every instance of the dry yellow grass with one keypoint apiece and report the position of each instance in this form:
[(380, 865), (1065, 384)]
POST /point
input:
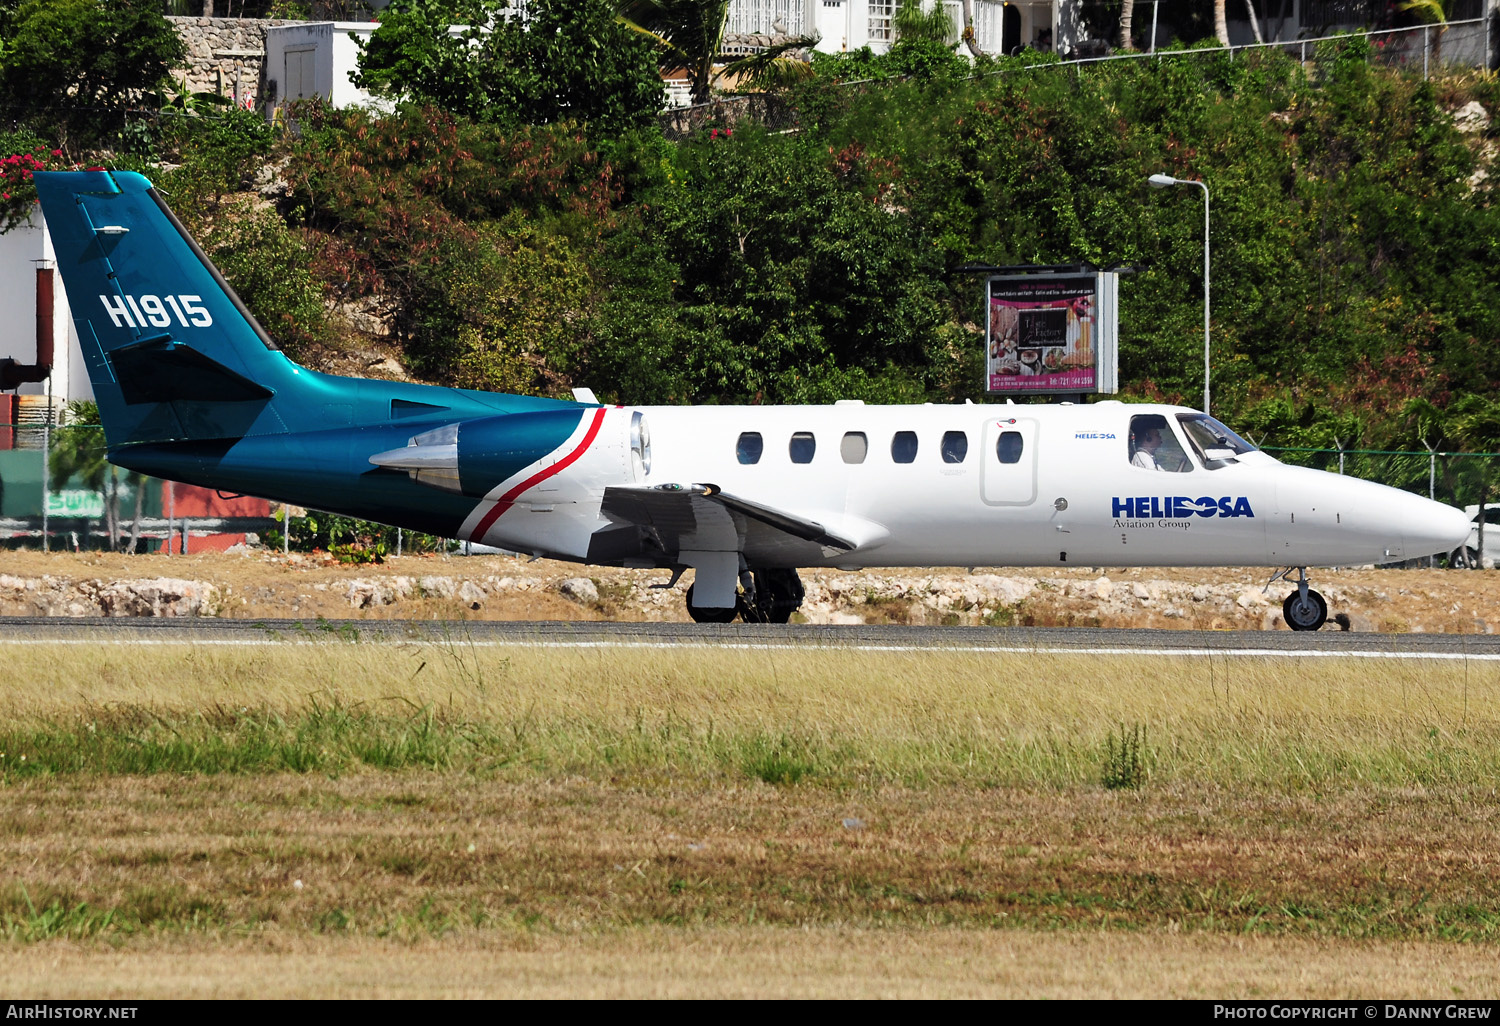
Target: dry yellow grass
[(765, 962), (425, 884), (599, 822)]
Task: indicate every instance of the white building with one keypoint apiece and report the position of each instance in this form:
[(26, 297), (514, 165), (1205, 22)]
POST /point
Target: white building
[(28, 272), (999, 26), (314, 58)]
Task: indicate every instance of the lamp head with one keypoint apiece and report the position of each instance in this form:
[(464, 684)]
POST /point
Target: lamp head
[(1161, 181)]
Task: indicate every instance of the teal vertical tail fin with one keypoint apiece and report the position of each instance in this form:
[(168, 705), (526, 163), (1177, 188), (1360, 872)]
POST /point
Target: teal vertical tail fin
[(172, 352)]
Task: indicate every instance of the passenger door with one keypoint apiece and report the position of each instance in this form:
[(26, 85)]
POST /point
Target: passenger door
[(1008, 477)]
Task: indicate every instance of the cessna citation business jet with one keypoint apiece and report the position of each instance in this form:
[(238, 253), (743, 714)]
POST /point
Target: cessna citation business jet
[(192, 389)]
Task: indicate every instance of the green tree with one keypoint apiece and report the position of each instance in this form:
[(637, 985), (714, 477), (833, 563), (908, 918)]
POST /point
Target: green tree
[(689, 36), (770, 270), (566, 60), (73, 65)]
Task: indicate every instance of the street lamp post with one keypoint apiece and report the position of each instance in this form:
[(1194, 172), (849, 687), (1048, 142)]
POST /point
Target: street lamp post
[(1161, 182)]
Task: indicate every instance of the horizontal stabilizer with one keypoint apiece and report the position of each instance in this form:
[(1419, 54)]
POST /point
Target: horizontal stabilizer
[(159, 370)]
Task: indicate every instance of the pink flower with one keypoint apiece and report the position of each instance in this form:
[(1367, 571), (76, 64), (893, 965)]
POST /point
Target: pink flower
[(57, 153), (5, 195)]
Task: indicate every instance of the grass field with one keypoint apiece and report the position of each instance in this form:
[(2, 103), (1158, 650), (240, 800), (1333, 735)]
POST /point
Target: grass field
[(726, 822)]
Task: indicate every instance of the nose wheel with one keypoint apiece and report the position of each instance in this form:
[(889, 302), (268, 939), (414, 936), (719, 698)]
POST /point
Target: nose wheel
[(1305, 612), (1304, 609)]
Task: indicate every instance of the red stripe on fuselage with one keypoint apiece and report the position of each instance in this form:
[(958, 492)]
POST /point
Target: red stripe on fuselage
[(508, 500)]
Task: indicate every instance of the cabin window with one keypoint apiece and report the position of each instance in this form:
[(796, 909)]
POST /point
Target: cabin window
[(749, 447), (955, 446), (802, 447), (904, 447), (1010, 447), (1153, 445), (854, 447)]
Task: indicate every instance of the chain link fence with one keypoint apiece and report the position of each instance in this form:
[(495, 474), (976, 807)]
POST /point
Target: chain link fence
[(1456, 478), (1420, 49), (57, 491)]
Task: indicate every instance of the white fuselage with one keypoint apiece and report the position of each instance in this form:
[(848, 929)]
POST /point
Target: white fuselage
[(1060, 488)]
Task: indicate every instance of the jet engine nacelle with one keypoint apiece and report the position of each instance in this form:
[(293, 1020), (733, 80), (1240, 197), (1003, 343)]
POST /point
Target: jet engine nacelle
[(601, 445)]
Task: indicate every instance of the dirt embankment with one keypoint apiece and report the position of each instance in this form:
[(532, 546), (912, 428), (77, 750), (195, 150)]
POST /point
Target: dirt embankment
[(264, 584)]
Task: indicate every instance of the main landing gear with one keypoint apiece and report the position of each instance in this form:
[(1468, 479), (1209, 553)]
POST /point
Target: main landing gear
[(1304, 609), (764, 596)]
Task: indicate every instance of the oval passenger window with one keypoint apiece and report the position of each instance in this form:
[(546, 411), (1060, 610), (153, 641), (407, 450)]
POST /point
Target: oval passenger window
[(854, 447), (1009, 447), (904, 446), (802, 447), (749, 447), (955, 446)]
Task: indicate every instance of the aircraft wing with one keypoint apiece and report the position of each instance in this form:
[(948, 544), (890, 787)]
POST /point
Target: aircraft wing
[(667, 519)]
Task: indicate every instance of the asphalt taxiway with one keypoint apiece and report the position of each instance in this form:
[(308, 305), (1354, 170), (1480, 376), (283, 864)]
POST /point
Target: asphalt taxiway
[(553, 634)]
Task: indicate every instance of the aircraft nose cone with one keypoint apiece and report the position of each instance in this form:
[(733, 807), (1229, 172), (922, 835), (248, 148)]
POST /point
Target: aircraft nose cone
[(1435, 529)]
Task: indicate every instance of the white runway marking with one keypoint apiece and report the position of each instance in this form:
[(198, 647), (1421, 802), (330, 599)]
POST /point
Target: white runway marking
[(774, 646)]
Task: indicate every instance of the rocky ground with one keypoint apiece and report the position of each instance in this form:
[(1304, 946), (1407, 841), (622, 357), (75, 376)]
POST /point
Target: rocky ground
[(257, 583)]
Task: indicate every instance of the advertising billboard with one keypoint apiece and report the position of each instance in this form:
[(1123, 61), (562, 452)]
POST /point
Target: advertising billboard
[(1050, 333)]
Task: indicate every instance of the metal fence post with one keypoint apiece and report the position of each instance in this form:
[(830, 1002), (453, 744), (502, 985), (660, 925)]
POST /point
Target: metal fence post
[(46, 479), (171, 512), (398, 541), (286, 529), (1426, 42)]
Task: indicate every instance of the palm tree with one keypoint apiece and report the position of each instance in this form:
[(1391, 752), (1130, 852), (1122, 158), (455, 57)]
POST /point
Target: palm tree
[(1430, 12), (1127, 15), (1221, 22), (1254, 21), (970, 40), (690, 36)]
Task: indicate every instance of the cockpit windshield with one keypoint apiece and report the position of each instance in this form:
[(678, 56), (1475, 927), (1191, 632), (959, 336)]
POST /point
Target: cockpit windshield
[(1214, 443)]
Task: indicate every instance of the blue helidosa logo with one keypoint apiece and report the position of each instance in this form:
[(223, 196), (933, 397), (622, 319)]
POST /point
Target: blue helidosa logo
[(1180, 507)]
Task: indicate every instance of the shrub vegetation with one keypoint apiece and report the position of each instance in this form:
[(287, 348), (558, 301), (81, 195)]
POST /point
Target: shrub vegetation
[(537, 245)]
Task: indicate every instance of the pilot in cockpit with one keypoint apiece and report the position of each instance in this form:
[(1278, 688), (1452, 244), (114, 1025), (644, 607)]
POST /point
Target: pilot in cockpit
[(1154, 447), (1147, 441)]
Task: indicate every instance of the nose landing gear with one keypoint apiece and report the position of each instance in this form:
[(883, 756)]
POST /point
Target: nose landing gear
[(1304, 609)]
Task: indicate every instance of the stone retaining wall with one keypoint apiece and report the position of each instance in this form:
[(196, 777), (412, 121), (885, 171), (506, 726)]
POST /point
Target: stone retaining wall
[(226, 55)]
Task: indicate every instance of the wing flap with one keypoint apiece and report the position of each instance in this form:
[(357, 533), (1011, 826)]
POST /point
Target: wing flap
[(678, 517)]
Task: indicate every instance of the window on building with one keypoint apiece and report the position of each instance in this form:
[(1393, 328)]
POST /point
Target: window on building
[(1010, 447), (904, 447), (802, 447), (955, 446), (881, 12), (764, 17), (749, 447), (854, 447)]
